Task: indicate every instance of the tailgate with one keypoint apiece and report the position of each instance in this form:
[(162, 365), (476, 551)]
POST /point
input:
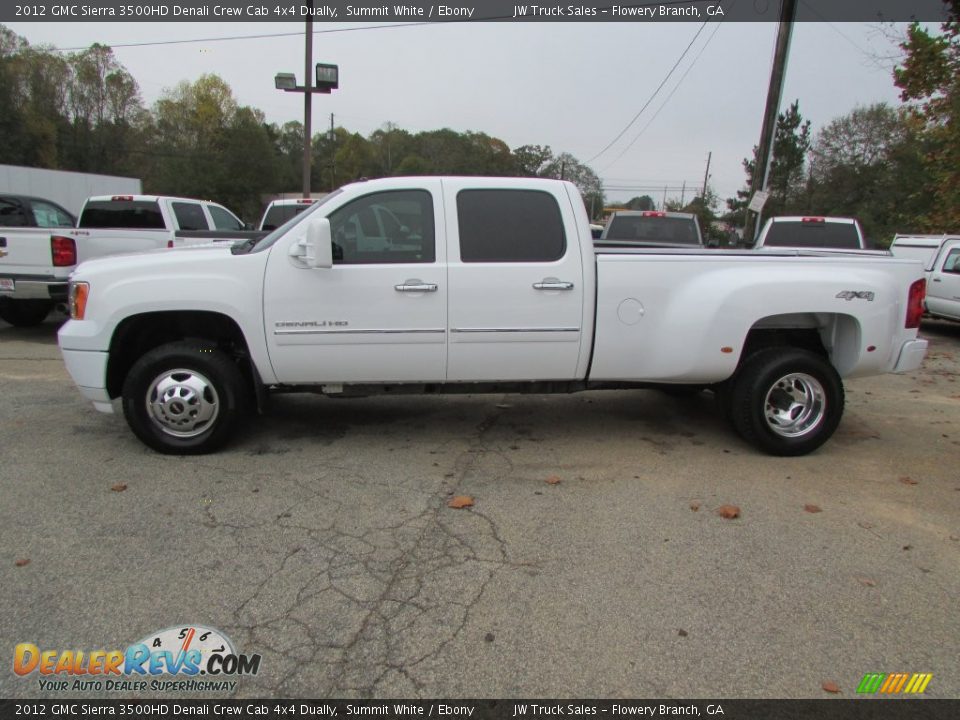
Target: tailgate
[(26, 251)]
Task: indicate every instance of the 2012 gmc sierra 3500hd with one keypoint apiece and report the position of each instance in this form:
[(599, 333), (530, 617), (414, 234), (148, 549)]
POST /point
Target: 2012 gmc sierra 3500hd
[(483, 284)]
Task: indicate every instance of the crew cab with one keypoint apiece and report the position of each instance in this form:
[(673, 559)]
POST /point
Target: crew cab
[(28, 226), (35, 264), (827, 234), (495, 285), (651, 228)]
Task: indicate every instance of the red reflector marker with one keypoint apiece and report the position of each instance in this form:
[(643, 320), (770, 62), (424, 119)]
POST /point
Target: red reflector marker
[(64, 251)]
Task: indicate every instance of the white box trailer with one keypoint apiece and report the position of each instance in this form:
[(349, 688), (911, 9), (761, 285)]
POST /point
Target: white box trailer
[(69, 189)]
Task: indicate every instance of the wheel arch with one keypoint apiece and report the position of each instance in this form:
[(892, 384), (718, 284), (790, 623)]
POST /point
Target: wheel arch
[(834, 336), (138, 334)]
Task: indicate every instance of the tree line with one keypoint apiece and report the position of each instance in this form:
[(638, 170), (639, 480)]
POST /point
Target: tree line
[(83, 111)]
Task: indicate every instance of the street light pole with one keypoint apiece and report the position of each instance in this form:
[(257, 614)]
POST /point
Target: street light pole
[(307, 101)]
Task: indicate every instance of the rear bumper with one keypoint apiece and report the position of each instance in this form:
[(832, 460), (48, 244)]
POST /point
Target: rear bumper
[(36, 288), (911, 355), (89, 371)]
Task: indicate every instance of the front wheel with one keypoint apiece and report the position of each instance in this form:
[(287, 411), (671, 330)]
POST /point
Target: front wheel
[(183, 398), (786, 401)]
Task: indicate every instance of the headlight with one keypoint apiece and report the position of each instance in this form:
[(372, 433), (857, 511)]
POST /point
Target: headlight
[(78, 299)]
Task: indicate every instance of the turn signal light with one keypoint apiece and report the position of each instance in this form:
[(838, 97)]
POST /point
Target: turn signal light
[(64, 251), (78, 299), (918, 292)]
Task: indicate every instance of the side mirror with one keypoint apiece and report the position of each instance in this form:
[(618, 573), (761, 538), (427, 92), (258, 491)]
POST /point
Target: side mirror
[(319, 244)]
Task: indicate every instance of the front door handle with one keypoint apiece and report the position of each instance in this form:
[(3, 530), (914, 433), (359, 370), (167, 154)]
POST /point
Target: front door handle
[(415, 286), (936, 279), (553, 284)]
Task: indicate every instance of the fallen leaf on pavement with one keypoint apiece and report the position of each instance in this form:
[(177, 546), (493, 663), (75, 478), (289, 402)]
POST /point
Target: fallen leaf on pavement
[(728, 512), (830, 686), (695, 506), (22, 562), (866, 581), (812, 508), (119, 487), (906, 480), (552, 480), (682, 633), (460, 501)]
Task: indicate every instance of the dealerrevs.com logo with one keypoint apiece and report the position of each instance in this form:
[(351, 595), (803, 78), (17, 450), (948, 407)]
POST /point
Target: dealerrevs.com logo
[(178, 659)]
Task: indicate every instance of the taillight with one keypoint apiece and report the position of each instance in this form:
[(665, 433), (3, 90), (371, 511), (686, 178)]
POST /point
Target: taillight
[(169, 244), (915, 303), (64, 251), (79, 291)]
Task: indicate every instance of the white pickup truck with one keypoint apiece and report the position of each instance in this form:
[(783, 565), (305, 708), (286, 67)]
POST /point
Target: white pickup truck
[(826, 234), (495, 285), (940, 255), (35, 262)]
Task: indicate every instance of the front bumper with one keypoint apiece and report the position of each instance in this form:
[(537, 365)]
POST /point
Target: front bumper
[(911, 355), (88, 369)]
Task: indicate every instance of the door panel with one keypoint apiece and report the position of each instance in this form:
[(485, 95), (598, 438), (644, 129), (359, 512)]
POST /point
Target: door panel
[(512, 316), (943, 291), (379, 314)]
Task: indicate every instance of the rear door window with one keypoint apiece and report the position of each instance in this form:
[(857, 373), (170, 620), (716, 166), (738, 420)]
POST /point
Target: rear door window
[(189, 216), (50, 215), (509, 226), (223, 219), (11, 213)]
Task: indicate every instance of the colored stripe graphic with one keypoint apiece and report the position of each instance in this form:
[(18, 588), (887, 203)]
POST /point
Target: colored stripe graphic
[(894, 683)]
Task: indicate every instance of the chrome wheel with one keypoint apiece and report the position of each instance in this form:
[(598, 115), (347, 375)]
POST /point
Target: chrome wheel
[(182, 403), (795, 405)]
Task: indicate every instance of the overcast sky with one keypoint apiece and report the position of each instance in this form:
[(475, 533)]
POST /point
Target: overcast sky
[(571, 86)]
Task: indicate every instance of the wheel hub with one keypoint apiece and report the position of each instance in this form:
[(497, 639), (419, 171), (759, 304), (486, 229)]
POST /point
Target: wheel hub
[(795, 405), (182, 403)]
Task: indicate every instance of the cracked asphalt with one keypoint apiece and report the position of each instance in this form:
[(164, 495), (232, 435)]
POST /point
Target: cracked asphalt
[(322, 540)]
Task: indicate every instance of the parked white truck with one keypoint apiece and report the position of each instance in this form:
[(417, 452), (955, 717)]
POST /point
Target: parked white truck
[(940, 255), (494, 286), (35, 262)]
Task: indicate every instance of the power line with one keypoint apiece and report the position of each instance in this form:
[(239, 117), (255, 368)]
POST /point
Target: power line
[(260, 36), (665, 102), (651, 98)]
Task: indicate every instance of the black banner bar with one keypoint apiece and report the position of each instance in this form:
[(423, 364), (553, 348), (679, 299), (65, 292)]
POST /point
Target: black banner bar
[(479, 11), (872, 708)]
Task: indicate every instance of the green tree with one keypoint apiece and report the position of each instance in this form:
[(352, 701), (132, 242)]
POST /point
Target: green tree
[(929, 81), (787, 177)]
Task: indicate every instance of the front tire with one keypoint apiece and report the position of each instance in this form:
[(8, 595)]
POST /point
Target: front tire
[(24, 313), (786, 401), (183, 398)]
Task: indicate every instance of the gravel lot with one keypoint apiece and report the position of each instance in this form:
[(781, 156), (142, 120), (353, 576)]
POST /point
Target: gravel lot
[(322, 539)]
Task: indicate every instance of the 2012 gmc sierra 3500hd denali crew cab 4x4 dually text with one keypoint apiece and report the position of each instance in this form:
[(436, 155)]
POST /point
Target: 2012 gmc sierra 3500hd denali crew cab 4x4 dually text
[(487, 284)]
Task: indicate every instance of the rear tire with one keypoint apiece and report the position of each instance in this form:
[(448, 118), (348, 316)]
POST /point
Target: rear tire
[(24, 313), (184, 398), (786, 401)]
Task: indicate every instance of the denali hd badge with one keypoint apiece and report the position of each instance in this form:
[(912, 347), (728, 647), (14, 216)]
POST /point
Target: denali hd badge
[(855, 295)]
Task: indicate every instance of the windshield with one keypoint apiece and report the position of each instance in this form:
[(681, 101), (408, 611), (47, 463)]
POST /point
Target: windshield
[(652, 229), (276, 234), (798, 234)]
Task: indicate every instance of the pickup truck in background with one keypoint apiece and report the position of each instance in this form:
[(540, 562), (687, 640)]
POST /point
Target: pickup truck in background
[(279, 211), (824, 234), (27, 296), (495, 286), (651, 228), (943, 282), (925, 248), (35, 264)]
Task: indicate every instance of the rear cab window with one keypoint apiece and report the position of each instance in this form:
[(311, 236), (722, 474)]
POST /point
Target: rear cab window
[(812, 234), (122, 214), (654, 228), (277, 215), (509, 226)]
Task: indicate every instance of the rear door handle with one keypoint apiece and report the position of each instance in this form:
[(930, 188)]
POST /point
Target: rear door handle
[(415, 286), (552, 284), (936, 279)]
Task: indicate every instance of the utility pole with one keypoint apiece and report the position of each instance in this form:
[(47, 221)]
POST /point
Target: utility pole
[(761, 171), (706, 176), (683, 192), (333, 156), (307, 100), (664, 197)]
